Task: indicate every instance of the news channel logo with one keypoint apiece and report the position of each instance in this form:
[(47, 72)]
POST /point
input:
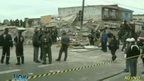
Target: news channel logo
[(20, 77)]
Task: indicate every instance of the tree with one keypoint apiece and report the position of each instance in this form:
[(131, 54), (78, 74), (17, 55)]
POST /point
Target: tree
[(21, 23), (16, 22), (11, 22), (24, 24), (6, 22)]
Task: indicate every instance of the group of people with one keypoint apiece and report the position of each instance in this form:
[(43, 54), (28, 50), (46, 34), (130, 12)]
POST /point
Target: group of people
[(105, 38), (131, 48), (6, 42), (93, 36), (42, 39)]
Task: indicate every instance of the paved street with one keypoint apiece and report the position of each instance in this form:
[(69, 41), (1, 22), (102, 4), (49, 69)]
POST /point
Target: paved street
[(86, 66)]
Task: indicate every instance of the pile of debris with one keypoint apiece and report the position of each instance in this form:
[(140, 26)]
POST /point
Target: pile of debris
[(13, 32)]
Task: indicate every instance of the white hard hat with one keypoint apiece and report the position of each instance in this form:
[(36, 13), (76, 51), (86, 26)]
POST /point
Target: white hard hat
[(130, 40), (20, 28)]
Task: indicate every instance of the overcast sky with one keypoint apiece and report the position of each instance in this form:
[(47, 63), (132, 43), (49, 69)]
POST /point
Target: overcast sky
[(12, 9)]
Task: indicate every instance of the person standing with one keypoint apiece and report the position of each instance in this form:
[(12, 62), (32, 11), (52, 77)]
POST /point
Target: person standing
[(91, 39), (36, 45), (113, 46), (55, 35), (7, 42), (41, 32), (19, 40), (128, 44), (65, 40), (133, 53), (104, 40), (140, 43), (46, 43)]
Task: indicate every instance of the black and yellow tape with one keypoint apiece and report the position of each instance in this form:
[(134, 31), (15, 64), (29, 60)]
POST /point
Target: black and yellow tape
[(71, 70), (65, 71)]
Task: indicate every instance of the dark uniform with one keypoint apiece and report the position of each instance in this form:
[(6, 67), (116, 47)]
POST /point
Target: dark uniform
[(36, 45), (6, 42), (141, 45), (41, 52), (64, 46), (91, 39), (46, 44), (19, 40), (55, 35)]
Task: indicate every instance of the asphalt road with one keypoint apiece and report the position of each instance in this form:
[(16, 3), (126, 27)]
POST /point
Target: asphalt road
[(86, 66)]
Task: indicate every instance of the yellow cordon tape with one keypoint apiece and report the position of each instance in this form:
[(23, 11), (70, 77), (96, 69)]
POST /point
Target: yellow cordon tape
[(69, 70), (64, 71)]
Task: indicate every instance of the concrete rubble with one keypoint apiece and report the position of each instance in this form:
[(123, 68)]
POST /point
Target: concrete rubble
[(13, 31), (71, 25)]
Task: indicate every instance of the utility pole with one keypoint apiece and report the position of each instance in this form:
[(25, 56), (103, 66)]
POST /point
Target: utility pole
[(82, 15), (81, 19)]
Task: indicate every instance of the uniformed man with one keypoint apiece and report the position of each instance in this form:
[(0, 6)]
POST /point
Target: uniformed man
[(19, 40), (41, 33), (36, 45), (91, 39), (64, 46), (46, 43), (7, 42)]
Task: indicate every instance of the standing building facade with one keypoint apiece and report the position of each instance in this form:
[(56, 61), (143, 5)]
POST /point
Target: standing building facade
[(99, 12)]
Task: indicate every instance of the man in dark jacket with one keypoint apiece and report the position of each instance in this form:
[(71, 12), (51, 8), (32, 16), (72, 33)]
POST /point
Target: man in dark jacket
[(91, 39), (36, 45), (19, 40), (46, 43), (113, 46), (41, 32), (7, 42), (65, 40)]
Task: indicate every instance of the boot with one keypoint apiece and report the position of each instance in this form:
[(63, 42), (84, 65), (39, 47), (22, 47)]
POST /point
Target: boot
[(57, 59), (113, 58), (44, 62), (18, 61), (7, 60), (2, 59), (65, 59), (22, 59)]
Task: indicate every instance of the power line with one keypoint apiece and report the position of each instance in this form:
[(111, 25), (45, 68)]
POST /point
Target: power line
[(124, 5), (131, 6)]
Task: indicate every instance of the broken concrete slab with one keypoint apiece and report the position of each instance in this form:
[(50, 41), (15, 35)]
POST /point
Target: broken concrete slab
[(79, 50), (91, 47)]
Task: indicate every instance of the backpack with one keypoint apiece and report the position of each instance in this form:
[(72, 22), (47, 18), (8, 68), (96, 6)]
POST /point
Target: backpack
[(135, 50)]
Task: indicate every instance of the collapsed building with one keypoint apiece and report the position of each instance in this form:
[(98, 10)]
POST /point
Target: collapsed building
[(138, 19), (102, 15), (96, 17)]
